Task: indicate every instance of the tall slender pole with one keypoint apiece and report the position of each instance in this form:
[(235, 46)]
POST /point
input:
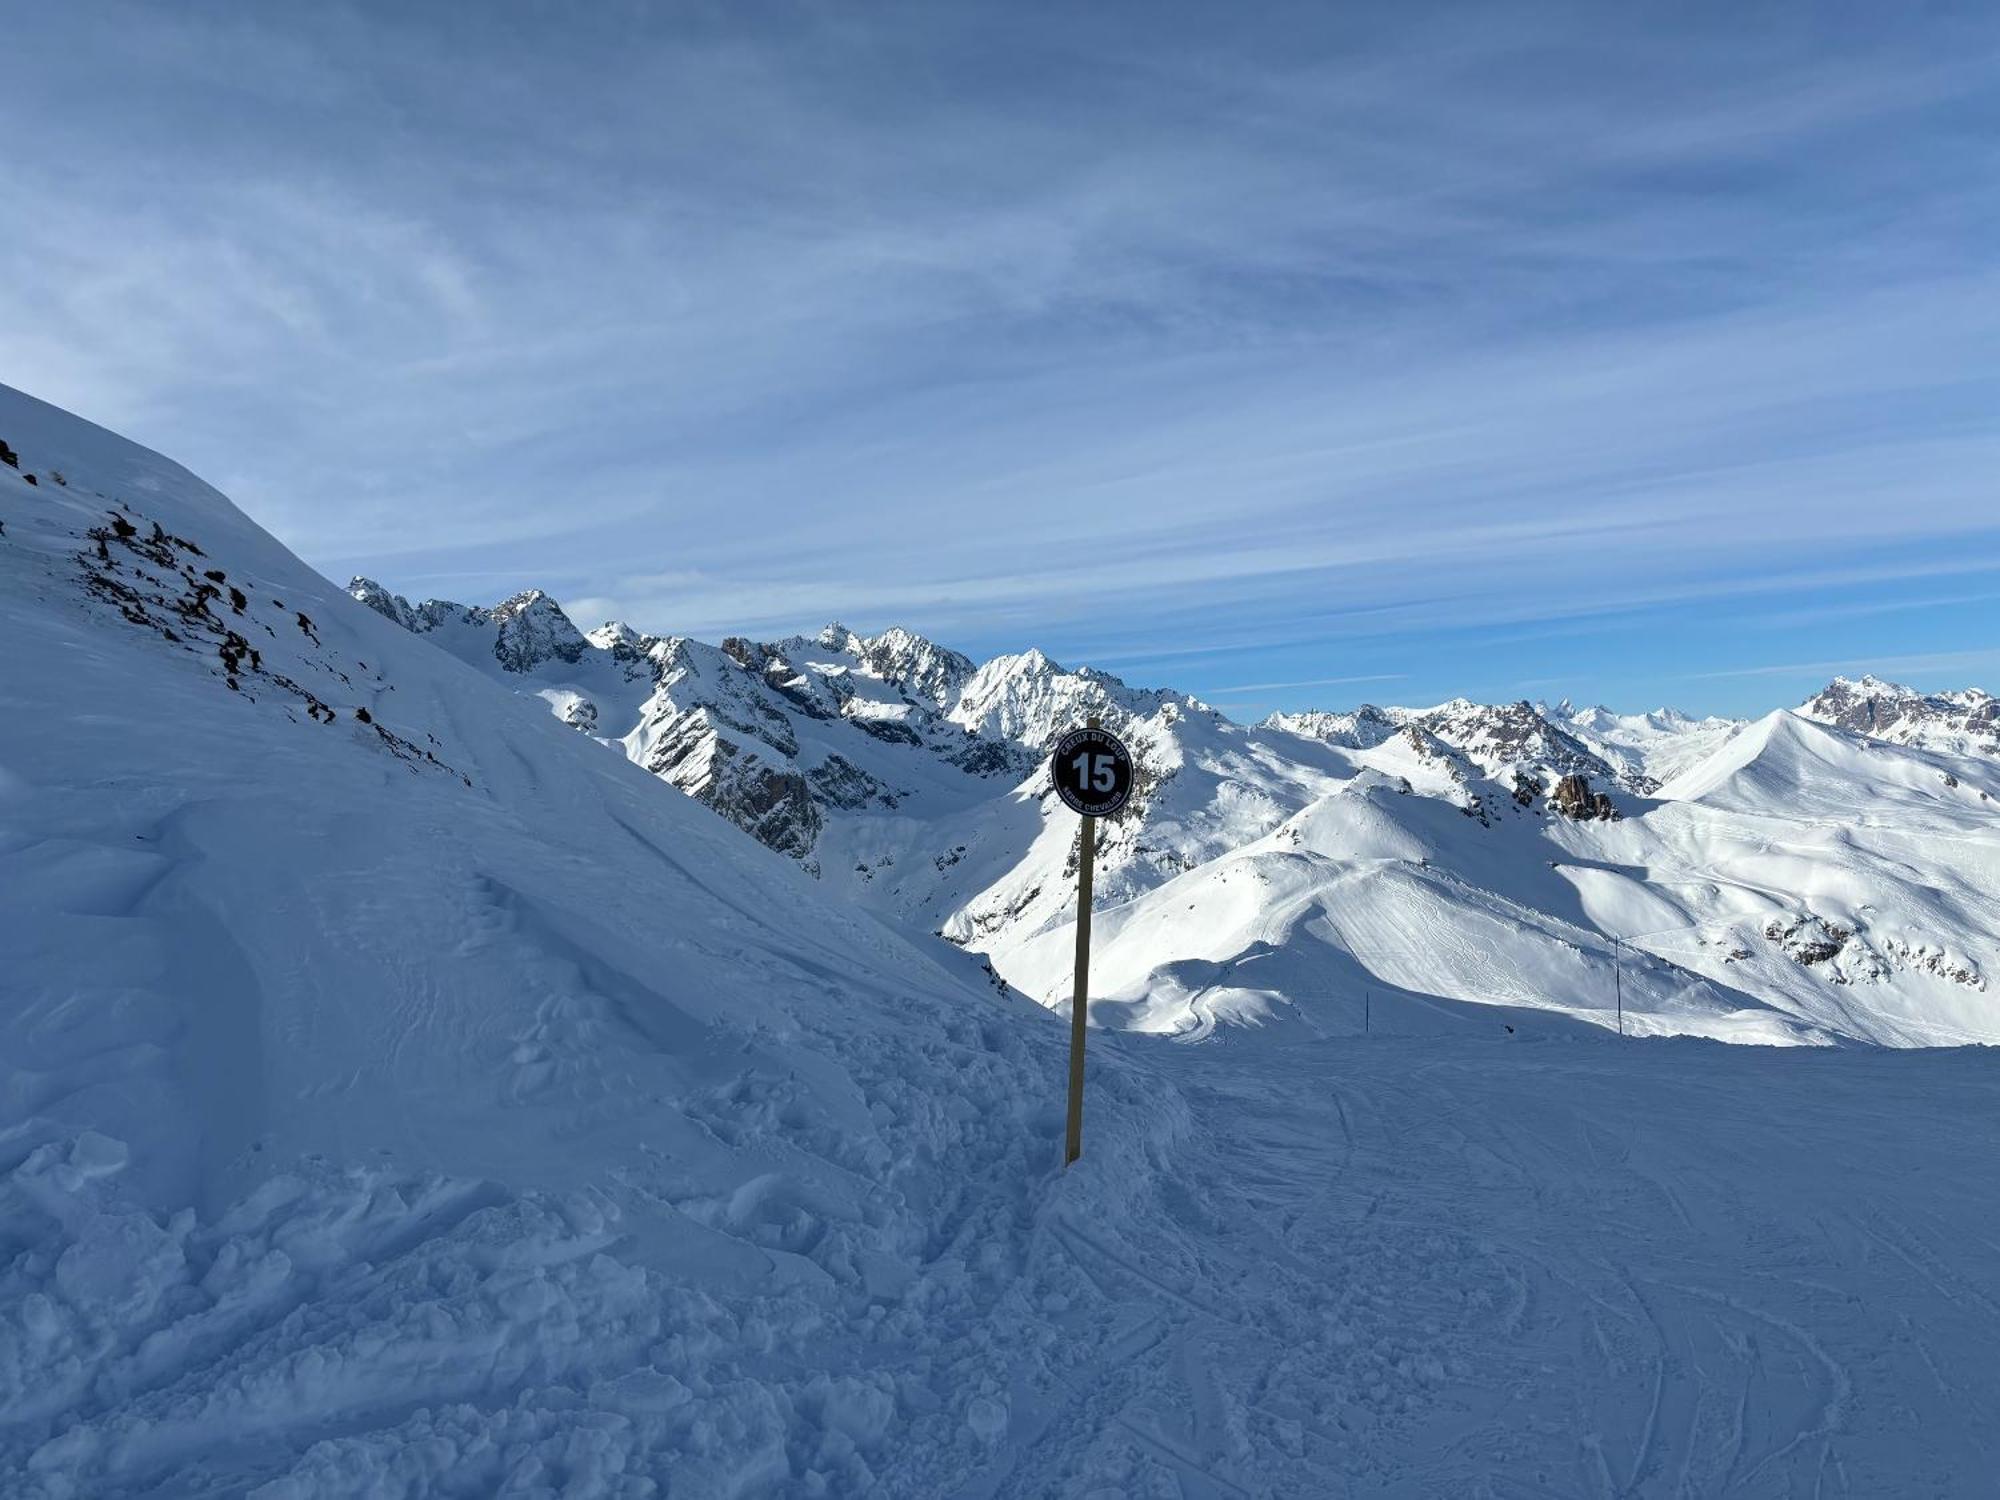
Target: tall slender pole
[(1079, 1013), (1618, 981)]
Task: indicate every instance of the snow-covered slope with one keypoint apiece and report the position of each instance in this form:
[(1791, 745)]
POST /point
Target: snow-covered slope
[(401, 1095), (381, 1062), (1801, 884)]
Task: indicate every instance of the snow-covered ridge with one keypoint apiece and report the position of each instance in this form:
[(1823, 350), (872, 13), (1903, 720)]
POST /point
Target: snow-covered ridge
[(1636, 750)]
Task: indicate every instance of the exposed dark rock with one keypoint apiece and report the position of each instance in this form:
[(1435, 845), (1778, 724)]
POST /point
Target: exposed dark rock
[(838, 781), (1573, 798), (984, 757), (151, 583), (893, 731), (1807, 939)]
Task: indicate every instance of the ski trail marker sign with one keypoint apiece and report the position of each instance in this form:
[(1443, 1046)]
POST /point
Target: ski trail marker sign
[(1092, 771)]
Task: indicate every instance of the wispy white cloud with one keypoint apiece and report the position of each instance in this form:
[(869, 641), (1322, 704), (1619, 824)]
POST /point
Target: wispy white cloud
[(1307, 682), (1175, 340), (1983, 658)]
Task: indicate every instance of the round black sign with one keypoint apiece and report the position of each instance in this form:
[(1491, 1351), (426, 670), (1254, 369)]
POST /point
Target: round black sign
[(1092, 771)]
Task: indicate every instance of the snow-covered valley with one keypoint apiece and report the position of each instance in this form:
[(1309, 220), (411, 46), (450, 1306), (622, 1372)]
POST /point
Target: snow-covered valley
[(403, 1093)]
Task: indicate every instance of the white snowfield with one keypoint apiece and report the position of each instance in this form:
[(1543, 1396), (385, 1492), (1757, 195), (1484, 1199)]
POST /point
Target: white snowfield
[(402, 1096)]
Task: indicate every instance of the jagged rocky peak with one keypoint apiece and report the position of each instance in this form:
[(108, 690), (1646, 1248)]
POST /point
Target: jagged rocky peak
[(390, 606), (837, 637), (529, 629), (1029, 699), (1866, 703), (908, 661), (1434, 750), (533, 629), (752, 656), (1504, 736), (617, 636), (917, 667), (1963, 722), (1359, 729)]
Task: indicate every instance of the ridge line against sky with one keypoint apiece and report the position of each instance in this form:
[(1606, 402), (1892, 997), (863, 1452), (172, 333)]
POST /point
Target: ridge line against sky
[(1487, 350)]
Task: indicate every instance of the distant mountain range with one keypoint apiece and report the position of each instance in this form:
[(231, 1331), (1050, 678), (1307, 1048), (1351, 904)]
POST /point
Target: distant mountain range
[(1804, 876)]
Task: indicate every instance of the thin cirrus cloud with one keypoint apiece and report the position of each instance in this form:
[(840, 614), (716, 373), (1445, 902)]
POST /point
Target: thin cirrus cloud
[(1487, 348), (1980, 659)]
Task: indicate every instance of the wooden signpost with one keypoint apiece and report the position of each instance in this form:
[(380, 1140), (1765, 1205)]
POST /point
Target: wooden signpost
[(1092, 771)]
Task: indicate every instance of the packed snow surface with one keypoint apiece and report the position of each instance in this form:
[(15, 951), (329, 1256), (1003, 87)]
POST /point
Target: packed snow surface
[(400, 1095)]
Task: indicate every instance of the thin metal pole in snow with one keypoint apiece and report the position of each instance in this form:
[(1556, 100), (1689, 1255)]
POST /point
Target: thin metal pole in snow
[(1618, 981)]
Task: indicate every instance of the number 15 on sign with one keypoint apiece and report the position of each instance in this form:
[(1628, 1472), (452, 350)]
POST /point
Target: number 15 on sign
[(1092, 771)]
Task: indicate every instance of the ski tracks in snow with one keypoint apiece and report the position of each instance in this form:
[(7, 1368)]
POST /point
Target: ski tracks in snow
[(1541, 1270), (1368, 1268)]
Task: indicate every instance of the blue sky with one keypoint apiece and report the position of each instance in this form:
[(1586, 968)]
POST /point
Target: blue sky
[(1289, 355)]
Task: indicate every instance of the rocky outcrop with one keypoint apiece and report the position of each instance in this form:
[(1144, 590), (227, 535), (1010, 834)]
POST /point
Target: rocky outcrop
[(1573, 798), (1807, 939)]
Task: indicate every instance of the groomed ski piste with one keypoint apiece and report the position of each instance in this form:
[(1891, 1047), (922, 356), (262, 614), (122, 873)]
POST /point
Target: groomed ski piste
[(401, 1096)]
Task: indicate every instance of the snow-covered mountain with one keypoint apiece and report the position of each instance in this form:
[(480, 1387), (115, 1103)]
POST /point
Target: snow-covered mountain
[(400, 1094), (1558, 857), (1962, 723), (1647, 748), (775, 736)]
